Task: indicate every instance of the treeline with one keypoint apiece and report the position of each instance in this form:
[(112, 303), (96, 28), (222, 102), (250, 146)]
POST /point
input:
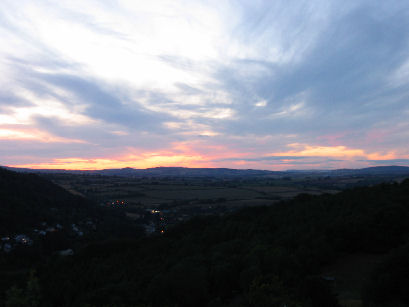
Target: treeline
[(269, 256), (26, 200), (29, 203)]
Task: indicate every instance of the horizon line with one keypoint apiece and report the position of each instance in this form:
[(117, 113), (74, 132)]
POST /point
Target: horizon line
[(242, 169)]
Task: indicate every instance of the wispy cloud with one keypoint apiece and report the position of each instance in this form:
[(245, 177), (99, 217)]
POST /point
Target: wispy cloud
[(389, 162), (237, 82)]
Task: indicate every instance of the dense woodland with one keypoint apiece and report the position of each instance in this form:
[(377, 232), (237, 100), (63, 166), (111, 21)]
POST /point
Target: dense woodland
[(27, 201), (265, 256)]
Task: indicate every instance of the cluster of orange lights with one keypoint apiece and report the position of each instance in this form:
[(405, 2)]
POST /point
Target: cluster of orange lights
[(118, 203)]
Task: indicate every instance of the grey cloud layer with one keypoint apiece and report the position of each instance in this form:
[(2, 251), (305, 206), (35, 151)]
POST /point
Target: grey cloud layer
[(333, 73), (343, 80)]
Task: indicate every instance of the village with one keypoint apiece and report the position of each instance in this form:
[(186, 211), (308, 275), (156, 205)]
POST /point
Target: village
[(157, 218), (42, 232), (154, 220)]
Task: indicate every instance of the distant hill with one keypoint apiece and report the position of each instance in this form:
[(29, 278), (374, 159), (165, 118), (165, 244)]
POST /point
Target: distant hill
[(160, 172), (376, 170), (223, 172), (185, 172)]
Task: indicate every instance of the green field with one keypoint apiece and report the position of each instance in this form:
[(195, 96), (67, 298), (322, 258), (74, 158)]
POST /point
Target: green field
[(149, 192)]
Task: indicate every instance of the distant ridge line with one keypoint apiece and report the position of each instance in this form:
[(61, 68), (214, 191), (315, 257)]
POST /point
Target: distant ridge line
[(219, 172)]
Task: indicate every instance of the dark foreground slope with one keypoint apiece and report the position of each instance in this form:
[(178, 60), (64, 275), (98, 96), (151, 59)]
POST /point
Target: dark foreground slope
[(257, 257), (26, 200), (39, 218)]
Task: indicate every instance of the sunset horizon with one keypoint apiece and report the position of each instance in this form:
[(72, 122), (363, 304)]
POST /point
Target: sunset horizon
[(289, 85)]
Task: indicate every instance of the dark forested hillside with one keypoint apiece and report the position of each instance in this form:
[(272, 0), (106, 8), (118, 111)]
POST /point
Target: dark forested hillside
[(27, 199), (265, 256), (269, 256), (38, 219)]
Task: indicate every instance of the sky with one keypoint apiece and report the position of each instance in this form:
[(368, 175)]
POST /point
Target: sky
[(243, 84)]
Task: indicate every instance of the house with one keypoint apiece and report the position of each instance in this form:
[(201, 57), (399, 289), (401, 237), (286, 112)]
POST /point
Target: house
[(150, 228), (328, 278), (7, 247), (66, 252), (23, 239)]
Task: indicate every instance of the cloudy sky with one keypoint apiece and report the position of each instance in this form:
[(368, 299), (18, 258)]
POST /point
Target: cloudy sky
[(241, 84)]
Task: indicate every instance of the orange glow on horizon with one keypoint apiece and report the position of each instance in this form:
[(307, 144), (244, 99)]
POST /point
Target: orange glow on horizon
[(101, 163), (183, 154), (305, 150)]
